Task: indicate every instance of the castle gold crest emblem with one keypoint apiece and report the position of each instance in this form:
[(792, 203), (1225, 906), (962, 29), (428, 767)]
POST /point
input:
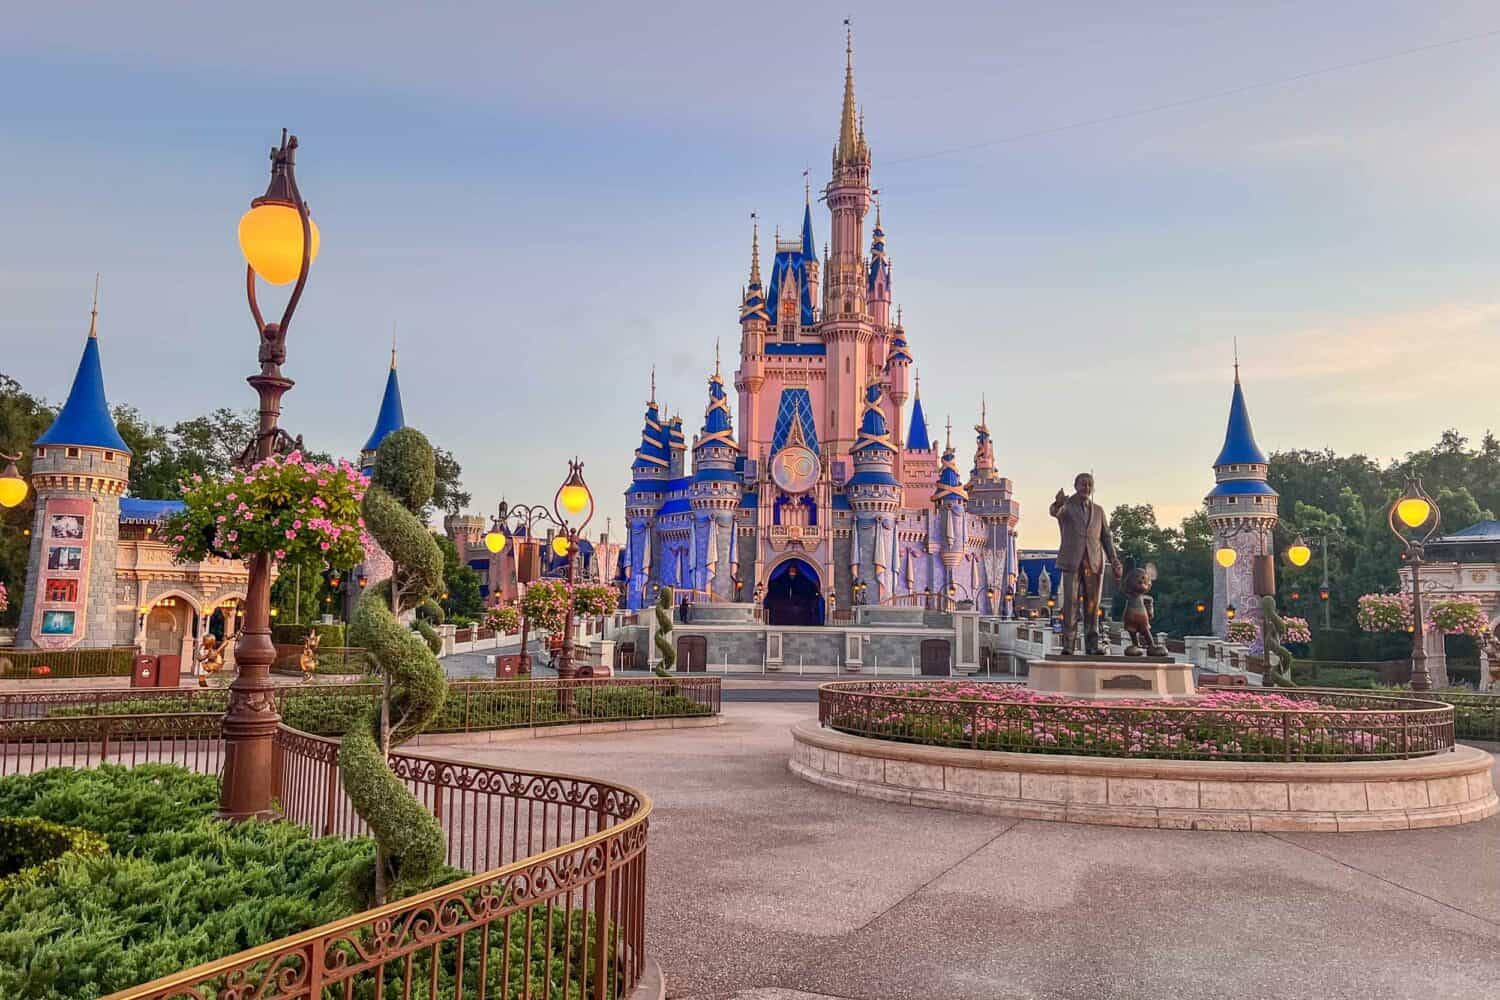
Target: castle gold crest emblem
[(795, 469)]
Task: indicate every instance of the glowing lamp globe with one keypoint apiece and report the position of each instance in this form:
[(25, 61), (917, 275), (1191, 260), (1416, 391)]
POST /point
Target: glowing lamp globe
[(574, 498), (13, 488), (1226, 557), (271, 240), (1298, 554), (1413, 511), (495, 541), (560, 545)]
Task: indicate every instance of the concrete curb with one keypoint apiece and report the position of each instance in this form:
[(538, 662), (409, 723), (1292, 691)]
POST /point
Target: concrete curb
[(1441, 790), (652, 984)]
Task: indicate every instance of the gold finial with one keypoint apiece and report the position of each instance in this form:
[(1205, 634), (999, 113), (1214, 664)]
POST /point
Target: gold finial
[(754, 249), (948, 436), (94, 311), (716, 357), (918, 376), (898, 315), (807, 186), (983, 411), (652, 400), (393, 346), (1236, 361)]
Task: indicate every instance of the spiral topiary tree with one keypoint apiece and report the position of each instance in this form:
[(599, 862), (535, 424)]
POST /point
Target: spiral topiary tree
[(664, 633), (410, 843)]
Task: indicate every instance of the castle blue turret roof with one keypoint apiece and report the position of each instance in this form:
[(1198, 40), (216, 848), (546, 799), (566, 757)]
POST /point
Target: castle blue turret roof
[(916, 436), (1239, 440), (652, 454), (873, 432), (718, 429), (391, 417), (949, 484), (84, 419), (808, 253)]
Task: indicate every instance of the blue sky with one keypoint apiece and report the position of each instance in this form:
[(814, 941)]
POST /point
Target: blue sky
[(546, 198)]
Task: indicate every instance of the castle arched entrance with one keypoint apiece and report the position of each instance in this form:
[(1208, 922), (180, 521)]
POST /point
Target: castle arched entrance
[(794, 595)]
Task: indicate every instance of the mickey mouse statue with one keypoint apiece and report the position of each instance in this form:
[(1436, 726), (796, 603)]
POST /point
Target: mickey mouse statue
[(1139, 608)]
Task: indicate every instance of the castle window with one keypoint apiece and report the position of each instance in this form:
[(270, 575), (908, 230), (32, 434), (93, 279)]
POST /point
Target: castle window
[(1231, 500), (109, 456), (72, 452), (62, 590), (41, 453), (846, 366)]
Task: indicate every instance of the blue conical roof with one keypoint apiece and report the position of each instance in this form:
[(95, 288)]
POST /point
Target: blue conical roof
[(717, 426), (873, 432), (1239, 440), (653, 453), (84, 419), (391, 417), (808, 253), (916, 436)]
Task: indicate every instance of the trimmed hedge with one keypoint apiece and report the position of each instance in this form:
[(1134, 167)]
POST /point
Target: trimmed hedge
[(333, 635), (31, 664), (33, 850)]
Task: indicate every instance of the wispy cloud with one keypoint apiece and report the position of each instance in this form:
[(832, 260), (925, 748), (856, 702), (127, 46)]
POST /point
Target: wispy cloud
[(1384, 357)]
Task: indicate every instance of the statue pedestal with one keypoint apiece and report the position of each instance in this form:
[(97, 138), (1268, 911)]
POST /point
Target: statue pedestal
[(1108, 678)]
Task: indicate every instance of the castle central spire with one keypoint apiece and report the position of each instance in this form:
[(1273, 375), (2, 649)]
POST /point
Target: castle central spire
[(849, 118)]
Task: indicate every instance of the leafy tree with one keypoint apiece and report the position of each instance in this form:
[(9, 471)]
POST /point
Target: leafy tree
[(460, 582), (23, 419), (449, 495)]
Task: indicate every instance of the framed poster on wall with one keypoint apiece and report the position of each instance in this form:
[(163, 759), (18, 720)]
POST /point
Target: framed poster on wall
[(60, 613)]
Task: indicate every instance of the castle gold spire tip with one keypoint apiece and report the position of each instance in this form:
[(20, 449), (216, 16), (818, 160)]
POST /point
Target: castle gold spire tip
[(94, 311)]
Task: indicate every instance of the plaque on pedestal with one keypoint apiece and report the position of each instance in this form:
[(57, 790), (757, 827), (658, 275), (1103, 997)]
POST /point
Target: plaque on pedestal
[(1112, 677)]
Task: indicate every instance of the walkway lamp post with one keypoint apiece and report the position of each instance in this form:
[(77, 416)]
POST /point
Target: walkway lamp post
[(1299, 554), (572, 499), (1414, 518), (279, 242), (13, 486), (859, 589)]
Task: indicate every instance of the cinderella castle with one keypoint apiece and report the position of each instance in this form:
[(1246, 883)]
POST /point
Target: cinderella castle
[(830, 494)]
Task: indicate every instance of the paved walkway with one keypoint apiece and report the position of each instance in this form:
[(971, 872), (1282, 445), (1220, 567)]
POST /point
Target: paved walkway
[(763, 887)]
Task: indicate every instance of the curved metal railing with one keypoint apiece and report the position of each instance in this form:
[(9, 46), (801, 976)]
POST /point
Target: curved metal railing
[(1223, 726), (556, 907)]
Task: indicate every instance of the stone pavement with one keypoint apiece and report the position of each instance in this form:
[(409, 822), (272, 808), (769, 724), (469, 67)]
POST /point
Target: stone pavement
[(763, 887)]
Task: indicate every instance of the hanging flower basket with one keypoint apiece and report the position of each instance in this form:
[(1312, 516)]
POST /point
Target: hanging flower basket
[(287, 508), (1297, 629), (1244, 632), (1384, 612), (1460, 614)]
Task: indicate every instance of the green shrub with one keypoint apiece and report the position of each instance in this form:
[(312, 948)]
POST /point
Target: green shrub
[(16, 664), (296, 635), (33, 849), (1312, 675)]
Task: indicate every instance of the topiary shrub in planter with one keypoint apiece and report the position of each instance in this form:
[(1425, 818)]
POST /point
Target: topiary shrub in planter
[(32, 849), (412, 846)]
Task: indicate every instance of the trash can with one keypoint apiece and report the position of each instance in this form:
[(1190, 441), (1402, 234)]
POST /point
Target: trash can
[(169, 670), (143, 673)]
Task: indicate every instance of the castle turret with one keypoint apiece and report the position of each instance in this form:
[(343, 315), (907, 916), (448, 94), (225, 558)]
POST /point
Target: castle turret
[(79, 471), (755, 326), (991, 500), (1242, 510), (677, 445), (951, 502), (650, 473), (879, 291), (847, 331), (917, 438), (715, 495), (390, 418), (874, 495), (897, 368)]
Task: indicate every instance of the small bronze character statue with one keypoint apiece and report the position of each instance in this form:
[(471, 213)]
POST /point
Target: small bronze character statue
[(308, 661), (210, 657), (1139, 610), (1086, 543), (1491, 647), (1273, 629)]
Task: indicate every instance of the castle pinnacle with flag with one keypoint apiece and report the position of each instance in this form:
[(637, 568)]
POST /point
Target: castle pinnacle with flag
[(819, 490)]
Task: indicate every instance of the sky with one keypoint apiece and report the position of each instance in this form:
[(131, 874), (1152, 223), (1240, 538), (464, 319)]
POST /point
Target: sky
[(543, 200)]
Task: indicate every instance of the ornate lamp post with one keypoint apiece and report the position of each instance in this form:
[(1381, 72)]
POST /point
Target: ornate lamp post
[(572, 499), (13, 486), (859, 589), (1299, 554), (279, 242), (1413, 518)]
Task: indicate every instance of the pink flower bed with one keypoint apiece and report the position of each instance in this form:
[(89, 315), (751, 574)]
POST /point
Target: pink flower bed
[(1231, 725)]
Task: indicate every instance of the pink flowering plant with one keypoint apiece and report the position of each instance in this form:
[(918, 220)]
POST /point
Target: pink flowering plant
[(1242, 631), (1460, 614), (4, 598), (545, 604), (1226, 725), (289, 508), (1297, 629), (595, 599), (504, 620), (1384, 612)]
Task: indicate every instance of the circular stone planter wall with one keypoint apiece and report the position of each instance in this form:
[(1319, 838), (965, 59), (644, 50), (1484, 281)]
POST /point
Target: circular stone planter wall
[(1442, 790)]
